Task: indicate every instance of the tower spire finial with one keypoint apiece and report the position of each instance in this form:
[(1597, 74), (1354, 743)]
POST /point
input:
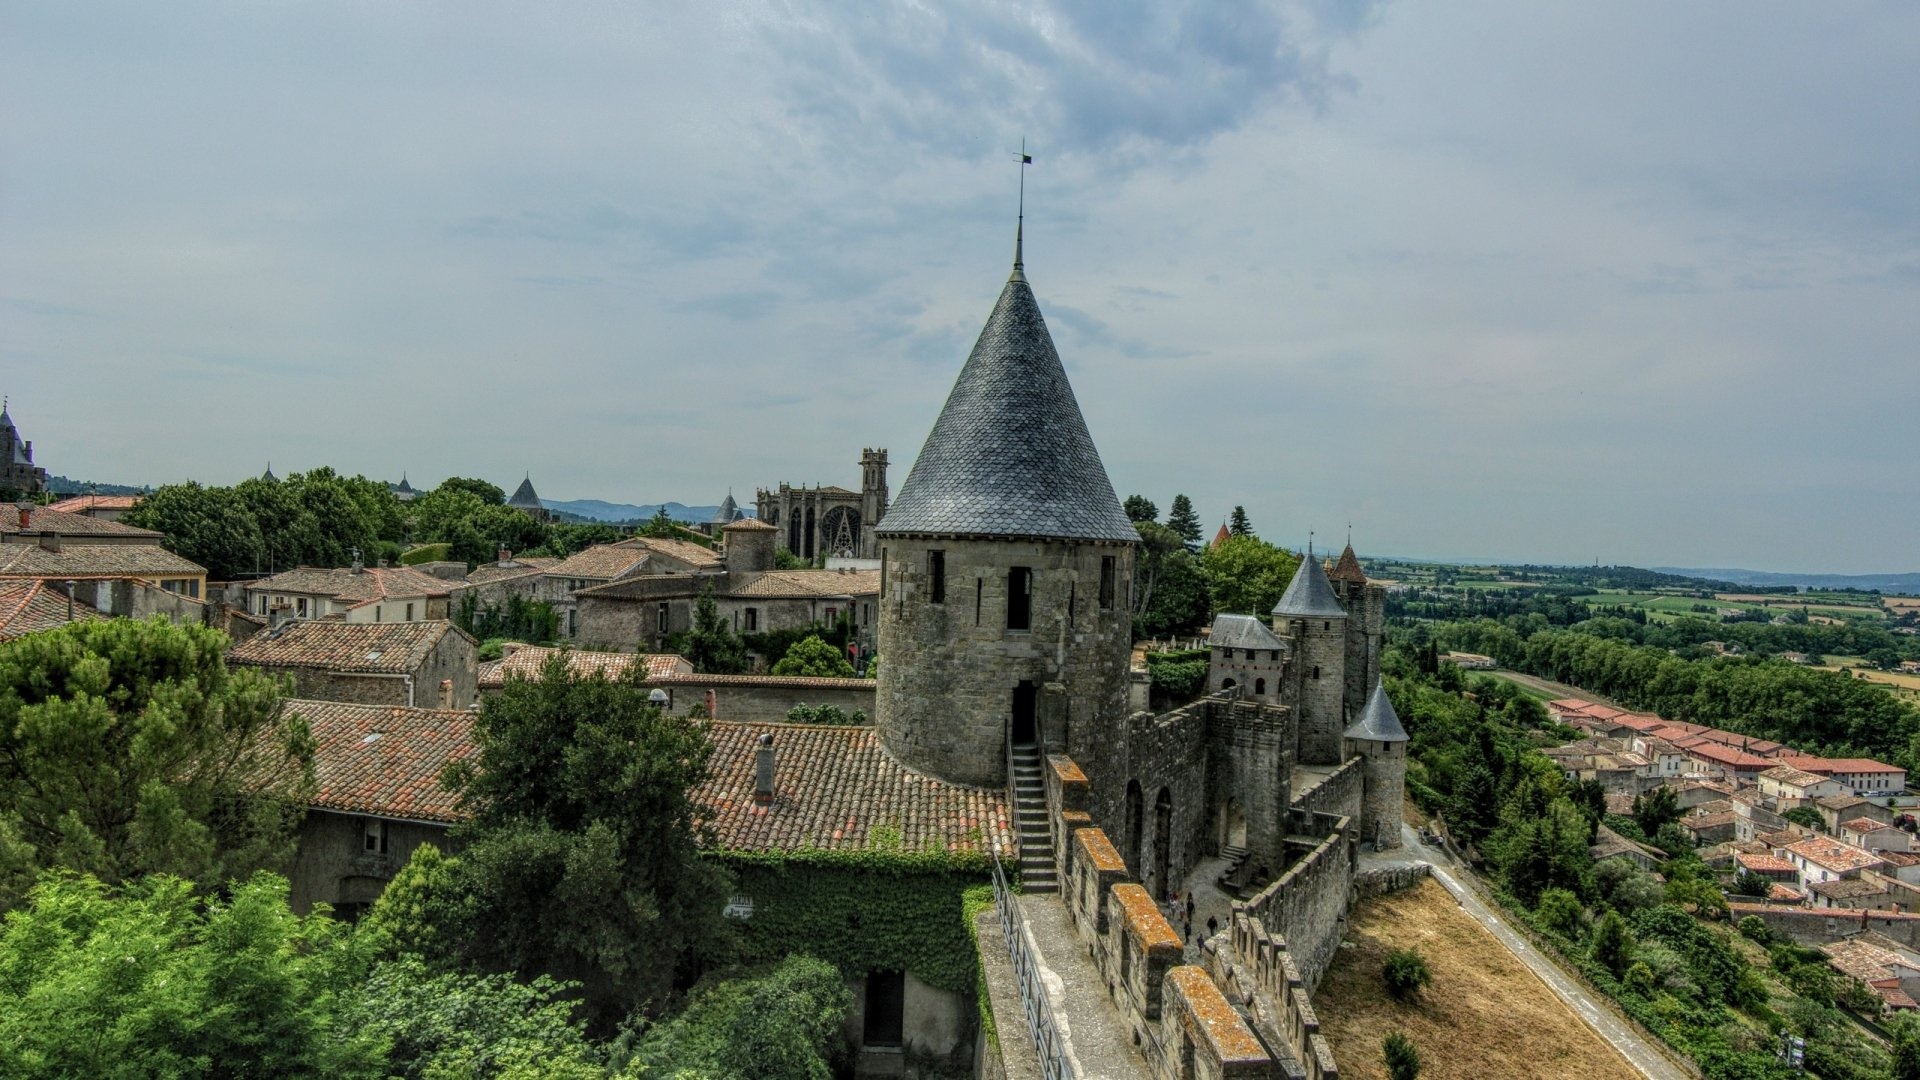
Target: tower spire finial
[(1020, 225)]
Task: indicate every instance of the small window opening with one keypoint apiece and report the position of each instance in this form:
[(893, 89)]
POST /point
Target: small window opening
[(936, 577), (1020, 598), (1108, 575)]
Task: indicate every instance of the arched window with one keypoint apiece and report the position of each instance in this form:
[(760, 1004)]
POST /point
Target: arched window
[(1259, 687)]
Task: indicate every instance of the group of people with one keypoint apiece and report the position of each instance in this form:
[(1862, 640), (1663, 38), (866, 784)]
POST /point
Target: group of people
[(1179, 912)]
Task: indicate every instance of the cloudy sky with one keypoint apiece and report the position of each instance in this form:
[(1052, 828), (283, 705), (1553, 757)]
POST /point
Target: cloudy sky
[(1629, 281)]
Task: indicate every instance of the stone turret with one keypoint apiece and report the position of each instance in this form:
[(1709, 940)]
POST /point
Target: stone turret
[(1379, 740), (873, 498), (1366, 624), (749, 545), (1310, 616), (1006, 568)]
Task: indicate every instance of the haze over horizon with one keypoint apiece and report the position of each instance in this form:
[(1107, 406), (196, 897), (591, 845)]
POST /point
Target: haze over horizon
[(1634, 281)]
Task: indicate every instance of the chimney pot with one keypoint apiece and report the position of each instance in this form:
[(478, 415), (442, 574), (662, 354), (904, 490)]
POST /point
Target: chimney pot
[(446, 693), (26, 515), (505, 556), (763, 771)]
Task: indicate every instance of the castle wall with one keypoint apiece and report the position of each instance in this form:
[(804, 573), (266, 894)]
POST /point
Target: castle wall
[(1165, 753), (1385, 766), (948, 670), (1251, 758), (763, 699), (1307, 905), (1339, 793)]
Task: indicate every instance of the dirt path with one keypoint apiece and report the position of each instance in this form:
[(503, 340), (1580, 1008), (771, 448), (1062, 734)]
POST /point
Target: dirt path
[(1546, 686)]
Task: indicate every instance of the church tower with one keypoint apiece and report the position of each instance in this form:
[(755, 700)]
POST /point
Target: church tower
[(873, 498), (1006, 569), (1311, 618)]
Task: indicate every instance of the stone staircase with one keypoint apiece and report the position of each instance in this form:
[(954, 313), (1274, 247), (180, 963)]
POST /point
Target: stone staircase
[(1037, 871), (1232, 879)]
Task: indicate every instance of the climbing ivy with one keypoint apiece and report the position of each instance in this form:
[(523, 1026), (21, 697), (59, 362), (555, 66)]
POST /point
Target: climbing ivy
[(867, 910)]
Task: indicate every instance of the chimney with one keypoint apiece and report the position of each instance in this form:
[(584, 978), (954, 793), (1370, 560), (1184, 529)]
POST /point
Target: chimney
[(50, 539), (505, 556), (358, 566), (446, 693), (763, 771), (26, 515)]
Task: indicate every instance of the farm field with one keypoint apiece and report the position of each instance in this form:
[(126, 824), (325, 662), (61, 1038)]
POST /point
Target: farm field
[(1486, 1015), (1908, 686), (1665, 606)]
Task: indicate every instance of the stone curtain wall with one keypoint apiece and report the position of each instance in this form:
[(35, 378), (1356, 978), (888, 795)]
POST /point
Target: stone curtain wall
[(1808, 926), (1165, 753), (1387, 880), (754, 699), (1307, 906), (1261, 969), (1177, 1016), (1337, 794)]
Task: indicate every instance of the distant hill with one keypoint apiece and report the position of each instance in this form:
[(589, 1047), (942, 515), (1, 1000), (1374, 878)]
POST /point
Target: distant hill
[(60, 485), (597, 510), (1886, 583)]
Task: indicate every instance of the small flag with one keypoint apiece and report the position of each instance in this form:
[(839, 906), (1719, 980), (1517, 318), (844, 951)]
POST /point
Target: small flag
[(1026, 159)]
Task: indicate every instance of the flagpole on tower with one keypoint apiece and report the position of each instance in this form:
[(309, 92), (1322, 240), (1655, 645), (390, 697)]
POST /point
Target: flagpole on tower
[(1020, 227)]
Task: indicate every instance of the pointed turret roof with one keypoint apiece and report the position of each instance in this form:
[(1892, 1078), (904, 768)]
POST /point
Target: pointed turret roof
[(403, 485), (727, 511), (1222, 536), (1378, 721), (268, 475), (524, 498), (1310, 594), (1348, 568), (1010, 454)]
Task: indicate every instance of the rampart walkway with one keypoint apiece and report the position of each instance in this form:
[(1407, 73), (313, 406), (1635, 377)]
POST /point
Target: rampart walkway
[(1096, 1038)]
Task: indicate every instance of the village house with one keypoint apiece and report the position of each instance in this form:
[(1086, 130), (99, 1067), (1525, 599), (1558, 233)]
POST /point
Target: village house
[(1856, 894), (423, 664), (1771, 867), (1875, 836), (1668, 760), (377, 770), (1728, 763), (1887, 968), (1797, 787), (1835, 809), (355, 594), (105, 507), (1822, 858), (55, 546), (1608, 844), (1712, 828)]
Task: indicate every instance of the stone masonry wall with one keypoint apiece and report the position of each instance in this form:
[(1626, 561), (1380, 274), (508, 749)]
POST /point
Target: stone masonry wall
[(1183, 1025), (1317, 684), (752, 699), (949, 669), (1251, 752), (1307, 905), (1806, 926), (1338, 794), (1165, 754)]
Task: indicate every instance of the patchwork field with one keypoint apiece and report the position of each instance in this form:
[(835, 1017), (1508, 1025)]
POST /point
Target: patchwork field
[(1485, 1016)]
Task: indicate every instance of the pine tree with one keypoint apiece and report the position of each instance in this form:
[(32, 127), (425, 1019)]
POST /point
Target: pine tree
[(1403, 1061), (1238, 525), (1612, 948), (1183, 520), (712, 646)]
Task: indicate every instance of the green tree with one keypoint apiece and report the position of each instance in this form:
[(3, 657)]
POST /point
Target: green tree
[(1238, 525), (127, 747), (210, 526), (1158, 546), (1656, 808), (711, 645), (812, 657), (1906, 1049), (443, 1024), (660, 526), (784, 1025), (1139, 509), (1403, 1060), (1246, 575), (1561, 912), (1805, 816), (1405, 974), (147, 981), (1612, 945), (579, 795), (1181, 519), (487, 492)]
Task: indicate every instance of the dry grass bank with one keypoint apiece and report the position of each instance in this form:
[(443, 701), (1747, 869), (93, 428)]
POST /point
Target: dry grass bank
[(1486, 1017)]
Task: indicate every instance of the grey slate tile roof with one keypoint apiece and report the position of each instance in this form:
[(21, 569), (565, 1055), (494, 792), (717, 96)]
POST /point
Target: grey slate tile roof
[(1378, 721), (1010, 454), (524, 498), (1242, 632), (1310, 593)]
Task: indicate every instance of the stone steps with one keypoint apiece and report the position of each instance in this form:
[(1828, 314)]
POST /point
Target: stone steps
[(1037, 872)]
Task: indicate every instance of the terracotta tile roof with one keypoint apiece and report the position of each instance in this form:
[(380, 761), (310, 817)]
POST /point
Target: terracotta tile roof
[(332, 645), (1899, 858), (833, 786), (1785, 892), (47, 520), (1839, 803), (1765, 864), (1702, 822), (601, 562), (1728, 757), (1833, 855), (78, 504), (1348, 568), (1860, 765), (805, 583), (95, 560), (1865, 825), (1787, 774), (685, 551), (370, 585), (525, 661), (385, 760), (1847, 889), (771, 682), (750, 525), (1569, 704), (29, 604)]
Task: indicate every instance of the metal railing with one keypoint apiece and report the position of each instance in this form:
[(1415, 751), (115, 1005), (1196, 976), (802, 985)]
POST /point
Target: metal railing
[(1045, 1033)]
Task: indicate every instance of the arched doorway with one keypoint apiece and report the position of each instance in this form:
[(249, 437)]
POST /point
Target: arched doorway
[(1162, 843), (1131, 853), (1233, 825), (1026, 729)]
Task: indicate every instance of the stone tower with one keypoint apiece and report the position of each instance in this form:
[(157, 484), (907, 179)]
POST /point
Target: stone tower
[(873, 498), (1006, 569), (1381, 743), (1311, 618), (1365, 604), (749, 545), (17, 470)]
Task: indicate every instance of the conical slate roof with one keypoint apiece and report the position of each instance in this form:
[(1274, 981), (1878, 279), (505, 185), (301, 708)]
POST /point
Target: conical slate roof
[(1378, 721), (1348, 568), (1010, 454), (524, 498), (727, 511), (1310, 594)]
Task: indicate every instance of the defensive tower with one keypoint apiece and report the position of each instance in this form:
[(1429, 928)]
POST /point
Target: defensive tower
[(1381, 743), (1310, 616)]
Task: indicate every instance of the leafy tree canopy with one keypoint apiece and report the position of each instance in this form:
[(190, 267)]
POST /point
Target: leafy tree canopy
[(784, 1025), (1140, 508), (1246, 575), (812, 656), (128, 747), (489, 493), (711, 645)]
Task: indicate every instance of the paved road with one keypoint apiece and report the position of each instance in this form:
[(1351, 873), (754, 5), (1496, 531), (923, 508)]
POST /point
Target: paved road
[(1558, 690), (1640, 1051)]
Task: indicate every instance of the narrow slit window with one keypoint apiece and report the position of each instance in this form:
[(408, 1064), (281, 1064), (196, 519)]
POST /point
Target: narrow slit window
[(1020, 598), (936, 577), (979, 590), (1108, 575)]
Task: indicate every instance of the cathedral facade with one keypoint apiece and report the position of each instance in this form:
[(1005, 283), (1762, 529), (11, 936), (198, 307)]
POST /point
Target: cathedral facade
[(825, 520)]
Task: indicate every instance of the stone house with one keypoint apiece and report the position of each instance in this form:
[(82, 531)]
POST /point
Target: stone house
[(1245, 656), (377, 769), (416, 664), (1797, 787), (355, 594), (107, 507), (1857, 894), (40, 543), (1823, 858), (1876, 836), (1608, 844), (1835, 809)]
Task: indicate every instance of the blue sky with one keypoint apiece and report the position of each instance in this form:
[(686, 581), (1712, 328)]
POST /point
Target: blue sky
[(1637, 282)]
